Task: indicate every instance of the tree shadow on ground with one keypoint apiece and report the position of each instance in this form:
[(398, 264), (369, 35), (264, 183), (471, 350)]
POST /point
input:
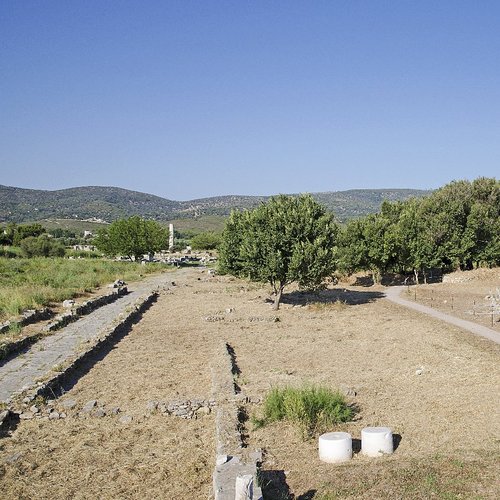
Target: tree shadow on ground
[(340, 295)]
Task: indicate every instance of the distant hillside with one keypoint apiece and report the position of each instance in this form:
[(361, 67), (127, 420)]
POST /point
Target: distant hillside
[(110, 203)]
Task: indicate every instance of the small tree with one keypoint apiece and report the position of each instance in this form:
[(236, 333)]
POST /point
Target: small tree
[(285, 240), (132, 237), (41, 246), (25, 231), (205, 241)]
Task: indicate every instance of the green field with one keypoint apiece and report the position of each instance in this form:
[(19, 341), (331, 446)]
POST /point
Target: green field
[(37, 282)]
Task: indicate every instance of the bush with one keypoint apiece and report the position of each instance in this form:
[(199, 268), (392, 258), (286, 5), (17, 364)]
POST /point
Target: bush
[(314, 409), (206, 241), (41, 246), (10, 252), (84, 254)]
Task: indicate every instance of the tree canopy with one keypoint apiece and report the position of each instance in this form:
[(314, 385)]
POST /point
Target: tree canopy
[(288, 239), (458, 226), (132, 237)]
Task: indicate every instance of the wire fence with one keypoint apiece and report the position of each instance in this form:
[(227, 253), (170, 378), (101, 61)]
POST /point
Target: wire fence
[(482, 310)]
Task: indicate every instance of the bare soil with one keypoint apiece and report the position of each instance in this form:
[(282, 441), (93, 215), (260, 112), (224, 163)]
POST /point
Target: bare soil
[(435, 385), (470, 297)]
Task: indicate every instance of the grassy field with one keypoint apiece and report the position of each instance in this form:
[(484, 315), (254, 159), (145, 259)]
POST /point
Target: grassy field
[(33, 283)]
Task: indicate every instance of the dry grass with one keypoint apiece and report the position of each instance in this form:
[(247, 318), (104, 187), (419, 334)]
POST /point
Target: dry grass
[(469, 299), (445, 416)]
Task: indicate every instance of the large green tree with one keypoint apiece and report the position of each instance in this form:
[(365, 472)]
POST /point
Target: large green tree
[(132, 237), (288, 239)]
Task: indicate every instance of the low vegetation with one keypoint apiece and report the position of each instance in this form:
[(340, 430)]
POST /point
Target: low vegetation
[(314, 408), (36, 282)]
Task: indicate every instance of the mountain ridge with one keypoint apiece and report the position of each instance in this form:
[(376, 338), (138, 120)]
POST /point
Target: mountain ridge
[(109, 203)]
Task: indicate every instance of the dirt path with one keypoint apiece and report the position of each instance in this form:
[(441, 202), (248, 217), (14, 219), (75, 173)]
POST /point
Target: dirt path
[(393, 294), (25, 369)]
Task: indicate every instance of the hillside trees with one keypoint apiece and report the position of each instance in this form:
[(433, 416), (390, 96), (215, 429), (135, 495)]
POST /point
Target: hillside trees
[(288, 239), (132, 237)]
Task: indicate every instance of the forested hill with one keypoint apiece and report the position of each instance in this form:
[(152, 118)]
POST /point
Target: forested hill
[(111, 203)]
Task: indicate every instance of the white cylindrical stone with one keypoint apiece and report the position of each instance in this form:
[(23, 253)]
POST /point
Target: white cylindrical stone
[(335, 447), (376, 441)]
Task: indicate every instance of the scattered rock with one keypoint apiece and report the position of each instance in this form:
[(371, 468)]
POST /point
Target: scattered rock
[(69, 404), (213, 319), (62, 415), (34, 409), (117, 284), (203, 410), (26, 416), (347, 391), (181, 412), (13, 458), (152, 405), (125, 419), (99, 412), (256, 455), (68, 304), (54, 415), (419, 371), (115, 410), (89, 406), (229, 310), (222, 459)]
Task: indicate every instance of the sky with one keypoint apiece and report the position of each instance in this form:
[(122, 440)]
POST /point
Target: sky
[(188, 99)]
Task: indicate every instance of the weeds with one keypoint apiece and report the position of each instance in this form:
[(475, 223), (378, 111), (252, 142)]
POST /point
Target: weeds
[(15, 328), (313, 408), (34, 283), (337, 305)]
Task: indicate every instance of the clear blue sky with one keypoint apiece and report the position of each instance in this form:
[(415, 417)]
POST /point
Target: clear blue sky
[(188, 99)]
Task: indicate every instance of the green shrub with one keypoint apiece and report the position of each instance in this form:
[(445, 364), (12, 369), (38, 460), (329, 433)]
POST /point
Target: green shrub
[(313, 408), (41, 246), (83, 254), (206, 241), (10, 252)]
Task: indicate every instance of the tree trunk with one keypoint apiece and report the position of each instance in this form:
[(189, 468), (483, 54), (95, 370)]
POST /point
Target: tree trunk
[(415, 272), (277, 298)]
